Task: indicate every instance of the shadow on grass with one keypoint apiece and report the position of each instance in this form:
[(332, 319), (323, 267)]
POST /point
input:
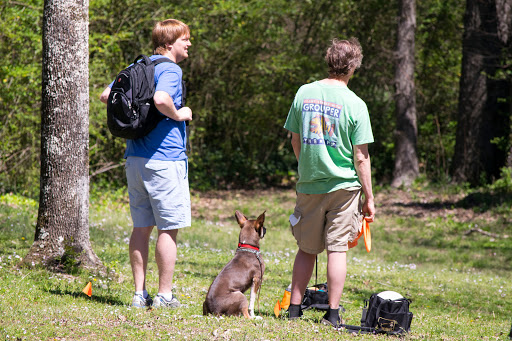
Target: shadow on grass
[(98, 298), (483, 201)]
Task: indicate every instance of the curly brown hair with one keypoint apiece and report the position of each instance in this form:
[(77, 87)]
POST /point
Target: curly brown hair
[(343, 56)]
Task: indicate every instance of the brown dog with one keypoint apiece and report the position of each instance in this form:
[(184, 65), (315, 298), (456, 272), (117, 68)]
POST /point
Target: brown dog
[(226, 294)]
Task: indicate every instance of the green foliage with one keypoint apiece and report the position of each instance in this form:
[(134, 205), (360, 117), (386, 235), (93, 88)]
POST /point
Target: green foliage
[(247, 60), (438, 67), (503, 184), (20, 92)]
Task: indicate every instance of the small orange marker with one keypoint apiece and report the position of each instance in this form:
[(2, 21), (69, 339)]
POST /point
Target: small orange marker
[(277, 308), (88, 289)]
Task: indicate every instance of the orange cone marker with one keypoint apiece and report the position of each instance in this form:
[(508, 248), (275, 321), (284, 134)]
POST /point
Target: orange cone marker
[(88, 289)]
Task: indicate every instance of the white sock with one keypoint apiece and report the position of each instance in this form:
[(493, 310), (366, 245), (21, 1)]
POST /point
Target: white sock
[(166, 296), (144, 293)]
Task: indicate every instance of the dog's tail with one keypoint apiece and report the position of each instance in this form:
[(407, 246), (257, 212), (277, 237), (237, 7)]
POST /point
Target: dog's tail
[(205, 308)]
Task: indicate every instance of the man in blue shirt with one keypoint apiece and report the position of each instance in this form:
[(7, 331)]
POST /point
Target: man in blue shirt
[(157, 170)]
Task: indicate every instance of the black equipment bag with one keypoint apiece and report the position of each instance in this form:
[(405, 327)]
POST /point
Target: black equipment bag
[(317, 298), (388, 316), (384, 316), (131, 113)]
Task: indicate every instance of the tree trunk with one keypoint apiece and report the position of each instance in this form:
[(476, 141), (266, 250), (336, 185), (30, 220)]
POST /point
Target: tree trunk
[(482, 114), (406, 159), (504, 11), (62, 231)]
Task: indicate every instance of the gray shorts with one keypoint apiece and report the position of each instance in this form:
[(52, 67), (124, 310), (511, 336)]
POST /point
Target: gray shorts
[(327, 221), (159, 193)]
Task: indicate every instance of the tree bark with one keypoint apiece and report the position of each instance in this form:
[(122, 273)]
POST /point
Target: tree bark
[(483, 113), (406, 159), (62, 231), (504, 11)]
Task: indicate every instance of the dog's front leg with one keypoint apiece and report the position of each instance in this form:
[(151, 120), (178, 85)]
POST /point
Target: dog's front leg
[(256, 282)]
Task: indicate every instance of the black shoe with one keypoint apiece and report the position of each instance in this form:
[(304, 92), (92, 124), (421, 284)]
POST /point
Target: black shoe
[(294, 311), (332, 318)]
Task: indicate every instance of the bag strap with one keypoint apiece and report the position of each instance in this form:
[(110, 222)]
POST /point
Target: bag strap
[(162, 60), (142, 58), (183, 84), (364, 330)]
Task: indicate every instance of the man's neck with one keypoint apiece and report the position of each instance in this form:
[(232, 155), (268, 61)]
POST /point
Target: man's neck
[(169, 55), (336, 81)]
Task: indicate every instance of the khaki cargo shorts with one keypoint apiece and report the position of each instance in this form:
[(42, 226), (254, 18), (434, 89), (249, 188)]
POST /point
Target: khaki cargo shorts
[(327, 221)]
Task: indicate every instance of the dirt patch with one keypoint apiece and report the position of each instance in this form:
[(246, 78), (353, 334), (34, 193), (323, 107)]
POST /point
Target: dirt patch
[(394, 202), (426, 205)]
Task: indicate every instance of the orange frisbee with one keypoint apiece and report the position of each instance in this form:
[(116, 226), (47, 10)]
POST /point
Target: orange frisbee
[(367, 235)]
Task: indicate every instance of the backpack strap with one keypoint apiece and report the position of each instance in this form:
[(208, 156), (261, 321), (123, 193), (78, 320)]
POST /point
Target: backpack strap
[(162, 60), (142, 58), (183, 86), (183, 94)]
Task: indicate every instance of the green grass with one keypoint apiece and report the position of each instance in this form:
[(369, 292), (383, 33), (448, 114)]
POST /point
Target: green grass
[(459, 284)]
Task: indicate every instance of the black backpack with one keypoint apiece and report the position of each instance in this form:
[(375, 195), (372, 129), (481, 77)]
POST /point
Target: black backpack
[(317, 298), (131, 113), (384, 316)]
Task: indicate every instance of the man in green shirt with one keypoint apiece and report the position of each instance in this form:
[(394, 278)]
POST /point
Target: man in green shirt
[(330, 129)]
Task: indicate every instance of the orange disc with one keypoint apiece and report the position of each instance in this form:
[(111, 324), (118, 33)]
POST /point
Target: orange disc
[(367, 235)]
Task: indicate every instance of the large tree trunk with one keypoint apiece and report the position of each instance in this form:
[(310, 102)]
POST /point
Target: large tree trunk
[(483, 113), (504, 11), (406, 159), (62, 231)]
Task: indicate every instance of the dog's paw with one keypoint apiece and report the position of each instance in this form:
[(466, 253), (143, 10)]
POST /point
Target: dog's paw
[(257, 317)]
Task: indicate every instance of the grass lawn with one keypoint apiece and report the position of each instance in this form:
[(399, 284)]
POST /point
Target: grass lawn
[(449, 252)]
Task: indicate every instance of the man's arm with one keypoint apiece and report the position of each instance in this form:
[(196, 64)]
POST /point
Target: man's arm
[(104, 95), (363, 168), (164, 104), (296, 145)]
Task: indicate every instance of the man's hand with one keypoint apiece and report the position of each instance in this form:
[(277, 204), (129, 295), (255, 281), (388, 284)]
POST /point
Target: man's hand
[(185, 114), (369, 209)]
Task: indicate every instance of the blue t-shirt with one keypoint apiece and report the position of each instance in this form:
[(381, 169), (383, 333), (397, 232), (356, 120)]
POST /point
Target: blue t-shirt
[(168, 140)]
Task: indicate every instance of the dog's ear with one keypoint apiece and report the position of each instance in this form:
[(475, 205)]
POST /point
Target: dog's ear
[(240, 218), (261, 219), (259, 223)]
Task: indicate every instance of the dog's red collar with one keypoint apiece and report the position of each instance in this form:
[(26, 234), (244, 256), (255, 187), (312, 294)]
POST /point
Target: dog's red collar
[(248, 246)]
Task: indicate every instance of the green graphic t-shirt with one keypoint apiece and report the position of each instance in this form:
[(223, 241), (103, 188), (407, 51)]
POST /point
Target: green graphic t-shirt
[(330, 120)]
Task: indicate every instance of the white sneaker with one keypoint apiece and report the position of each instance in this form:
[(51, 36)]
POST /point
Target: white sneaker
[(161, 302), (139, 301)]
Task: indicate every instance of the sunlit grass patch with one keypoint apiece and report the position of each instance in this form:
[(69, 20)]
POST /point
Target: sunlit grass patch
[(459, 284)]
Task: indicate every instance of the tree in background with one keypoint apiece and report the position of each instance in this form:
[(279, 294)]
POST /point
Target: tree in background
[(438, 59), (483, 124), (504, 11), (62, 231), (250, 58), (406, 159)]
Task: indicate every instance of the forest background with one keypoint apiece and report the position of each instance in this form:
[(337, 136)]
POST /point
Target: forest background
[(247, 60)]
